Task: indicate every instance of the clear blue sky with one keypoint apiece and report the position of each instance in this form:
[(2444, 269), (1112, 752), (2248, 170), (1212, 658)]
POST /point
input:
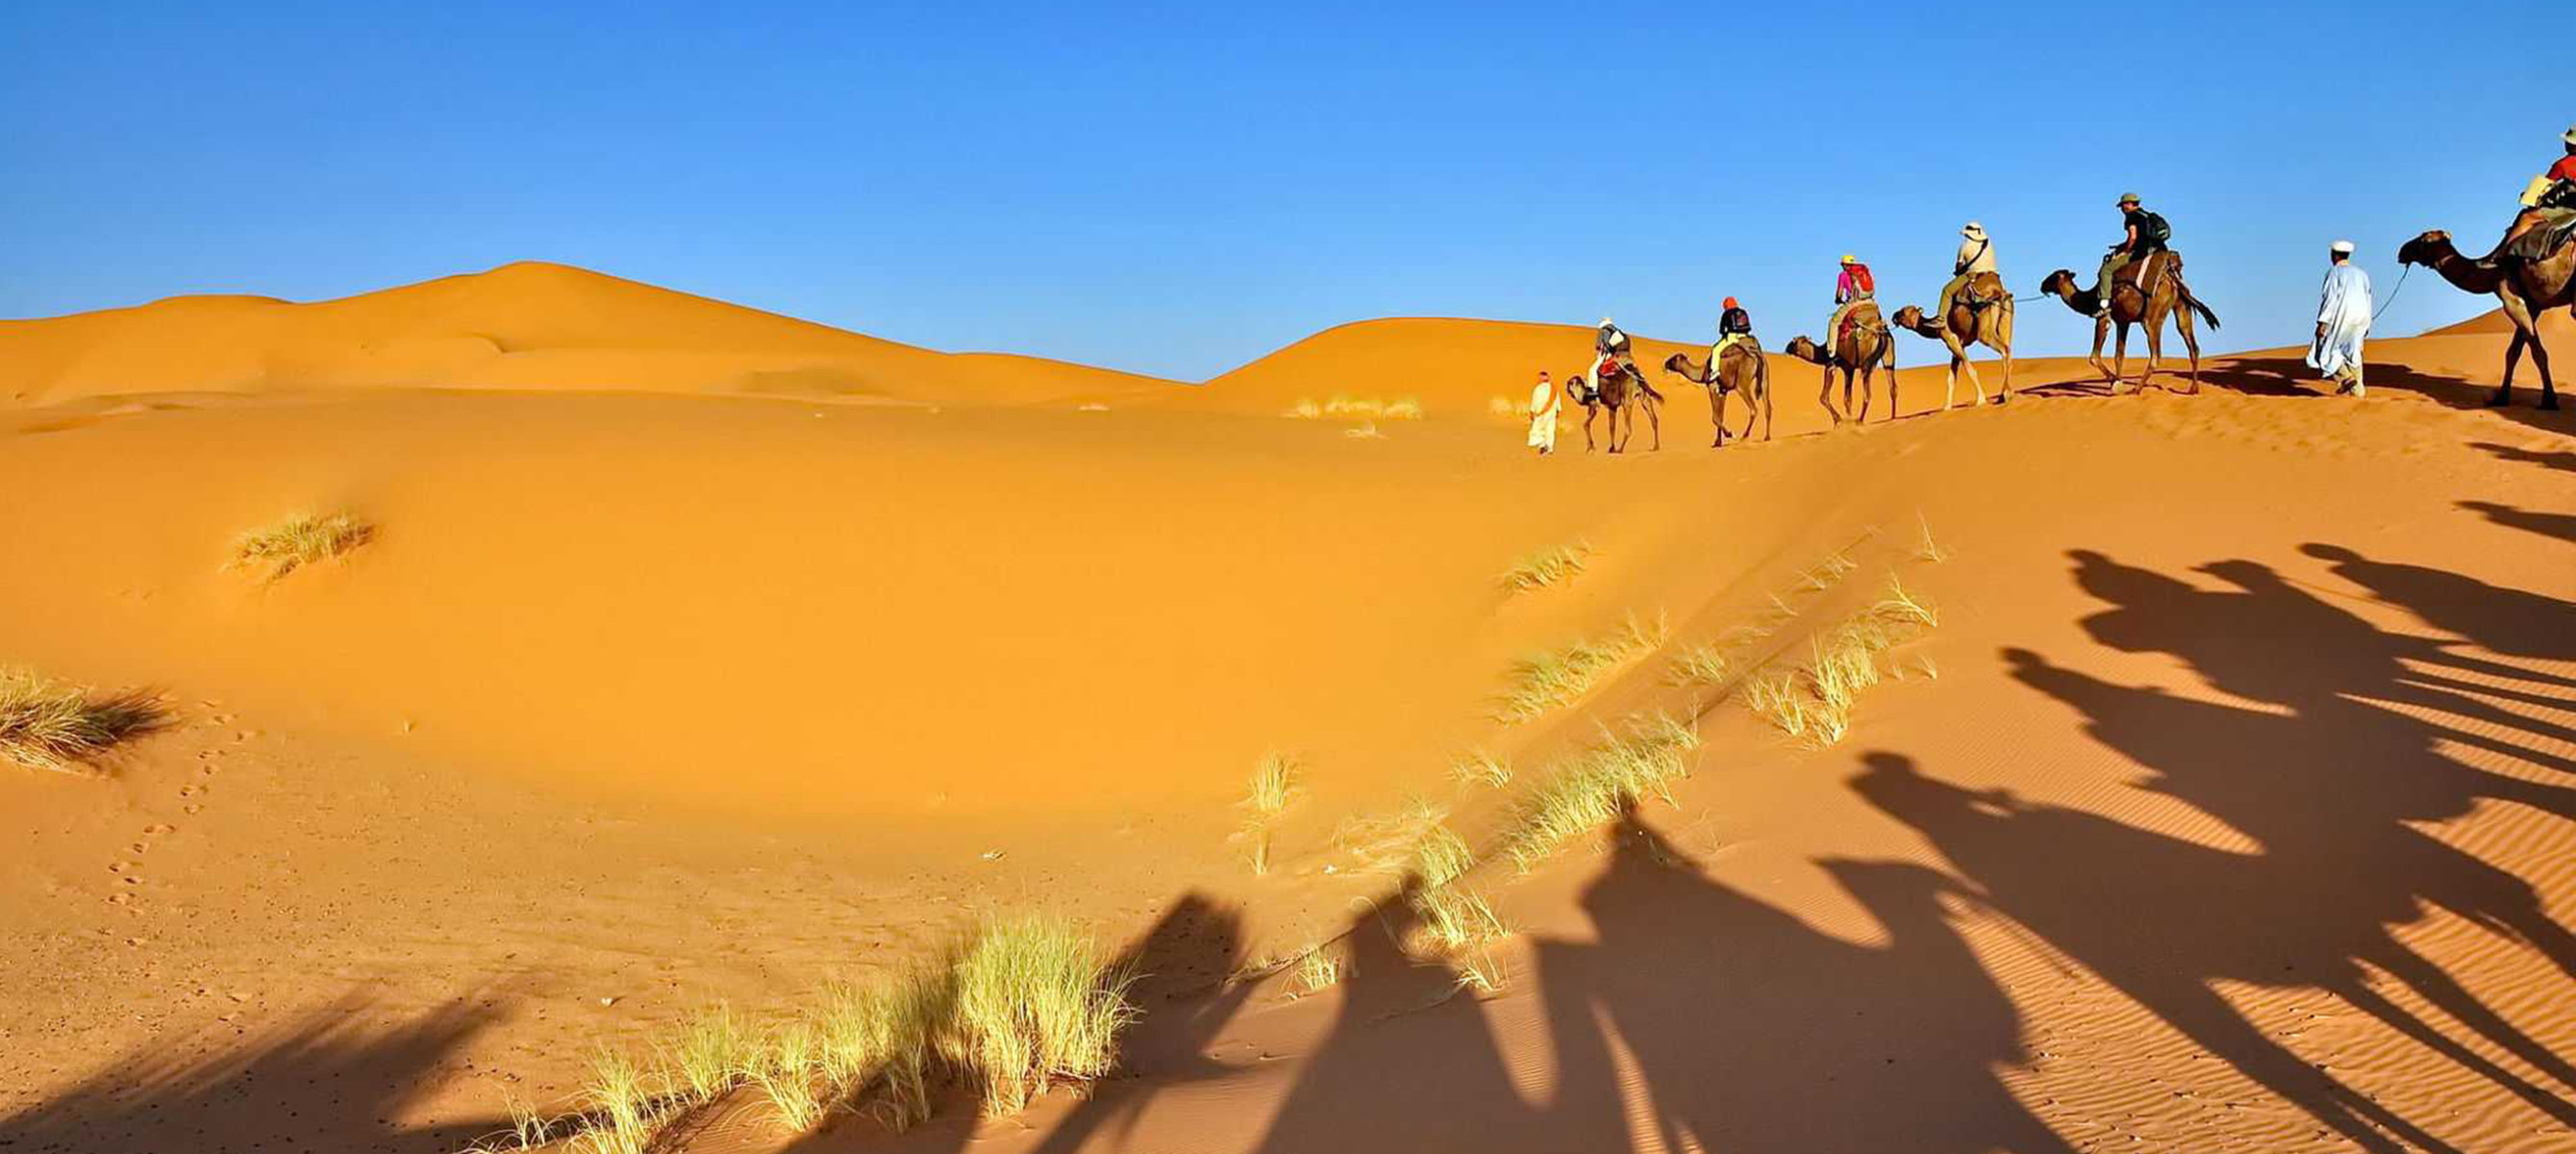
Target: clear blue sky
[(1178, 188)]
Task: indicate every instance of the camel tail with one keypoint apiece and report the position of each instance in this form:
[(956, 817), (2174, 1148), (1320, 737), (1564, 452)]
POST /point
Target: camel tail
[(1659, 397), (2205, 314)]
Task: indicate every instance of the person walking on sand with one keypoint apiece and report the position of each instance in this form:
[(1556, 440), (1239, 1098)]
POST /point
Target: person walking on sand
[(2147, 234), (1852, 287), (1976, 255), (2343, 318), (1543, 409)]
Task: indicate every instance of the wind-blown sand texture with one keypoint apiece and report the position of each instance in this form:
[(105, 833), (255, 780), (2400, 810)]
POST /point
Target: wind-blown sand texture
[(2236, 818)]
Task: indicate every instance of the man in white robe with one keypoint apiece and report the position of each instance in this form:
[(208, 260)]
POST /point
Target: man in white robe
[(2343, 318), (1542, 430)]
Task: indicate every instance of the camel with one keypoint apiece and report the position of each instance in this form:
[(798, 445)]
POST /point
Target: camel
[(1615, 392), (1742, 371), (1864, 342), (1980, 314), (2131, 305), (2528, 285)]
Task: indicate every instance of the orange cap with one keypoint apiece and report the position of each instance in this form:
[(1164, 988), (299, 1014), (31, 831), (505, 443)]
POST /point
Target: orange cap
[(1730, 302)]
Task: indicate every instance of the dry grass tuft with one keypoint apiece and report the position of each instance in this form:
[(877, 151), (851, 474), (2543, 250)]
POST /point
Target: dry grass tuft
[(1903, 607), (1274, 786), (626, 1112), (1305, 409), (1813, 702), (1317, 970), (1585, 793), (1505, 408), (1828, 572), (1481, 768), (300, 541), (47, 724), (1036, 1002), (1547, 567), (1375, 409), (1462, 926), (788, 1072), (1364, 431), (1929, 549), (1544, 681), (1701, 665), (1385, 844)]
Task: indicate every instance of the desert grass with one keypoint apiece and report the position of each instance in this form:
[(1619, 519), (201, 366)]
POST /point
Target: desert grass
[(1701, 665), (48, 724), (1305, 409), (1543, 681), (1902, 606), (1642, 758), (1927, 549), (1400, 409), (1386, 843), (299, 541), (1319, 969), (1505, 408), (1547, 567), (619, 1097), (1274, 786), (1018, 1004), (788, 1072), (1828, 573), (1036, 1002), (1462, 926), (1440, 856), (1478, 767), (1364, 431), (1813, 702)]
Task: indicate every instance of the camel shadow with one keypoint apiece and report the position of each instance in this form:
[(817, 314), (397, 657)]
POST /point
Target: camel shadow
[(2328, 784), (333, 1082), (1184, 997), (1695, 1017)]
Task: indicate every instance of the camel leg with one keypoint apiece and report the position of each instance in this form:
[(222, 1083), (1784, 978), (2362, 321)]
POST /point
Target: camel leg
[(1959, 361), (2512, 360), (2526, 333), (1762, 383), (2004, 393), (1868, 385), (1615, 442), (2155, 350), (2120, 358), (2190, 344), (1849, 383), (1654, 421), (1717, 415), (2101, 332), (1825, 397), (1589, 412)]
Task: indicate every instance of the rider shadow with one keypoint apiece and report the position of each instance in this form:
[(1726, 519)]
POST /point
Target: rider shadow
[(2561, 526), (331, 1083), (2330, 791), (1695, 1018)]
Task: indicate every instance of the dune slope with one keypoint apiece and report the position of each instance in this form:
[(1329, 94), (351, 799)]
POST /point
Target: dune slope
[(531, 326)]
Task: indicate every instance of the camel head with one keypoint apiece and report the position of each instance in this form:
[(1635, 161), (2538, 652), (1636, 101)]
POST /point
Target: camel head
[(1909, 317), (2059, 284), (1805, 350), (2424, 249)]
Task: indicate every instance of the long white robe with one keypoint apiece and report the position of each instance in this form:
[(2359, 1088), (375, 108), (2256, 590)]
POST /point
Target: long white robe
[(2345, 312), (1542, 431)]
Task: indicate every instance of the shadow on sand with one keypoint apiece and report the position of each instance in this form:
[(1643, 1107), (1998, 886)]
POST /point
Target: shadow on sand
[(334, 1082)]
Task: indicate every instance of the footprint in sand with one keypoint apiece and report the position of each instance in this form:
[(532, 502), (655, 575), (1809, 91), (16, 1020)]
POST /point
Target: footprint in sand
[(158, 828)]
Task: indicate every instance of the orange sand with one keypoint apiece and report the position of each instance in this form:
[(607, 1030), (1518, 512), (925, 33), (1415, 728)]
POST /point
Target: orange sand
[(2236, 818)]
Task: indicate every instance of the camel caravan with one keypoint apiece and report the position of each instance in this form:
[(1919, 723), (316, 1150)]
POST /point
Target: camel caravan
[(2531, 271), (2140, 282)]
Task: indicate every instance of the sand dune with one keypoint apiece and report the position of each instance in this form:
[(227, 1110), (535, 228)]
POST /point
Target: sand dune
[(531, 326), (2225, 806)]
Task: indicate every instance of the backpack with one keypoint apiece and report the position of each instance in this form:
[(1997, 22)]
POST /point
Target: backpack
[(2156, 232)]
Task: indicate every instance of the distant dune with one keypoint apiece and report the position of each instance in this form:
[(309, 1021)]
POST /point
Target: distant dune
[(531, 325)]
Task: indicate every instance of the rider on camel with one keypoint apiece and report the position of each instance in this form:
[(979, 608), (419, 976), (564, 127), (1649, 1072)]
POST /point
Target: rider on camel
[(2146, 236), (1852, 287)]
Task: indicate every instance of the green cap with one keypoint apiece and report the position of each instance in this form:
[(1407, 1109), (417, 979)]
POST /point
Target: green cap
[(2128, 198)]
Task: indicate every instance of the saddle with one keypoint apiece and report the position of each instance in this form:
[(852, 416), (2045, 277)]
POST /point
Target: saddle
[(1983, 291), (1852, 321), (2555, 227), (2142, 276)]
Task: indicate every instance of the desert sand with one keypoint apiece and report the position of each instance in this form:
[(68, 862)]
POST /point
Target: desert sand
[(705, 655)]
